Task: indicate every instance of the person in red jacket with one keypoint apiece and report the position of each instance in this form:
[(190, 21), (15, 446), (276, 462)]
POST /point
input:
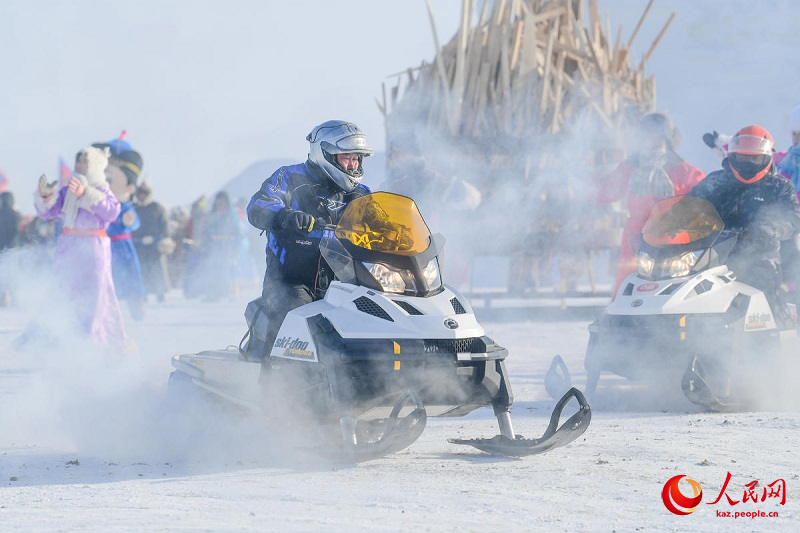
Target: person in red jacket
[(653, 172)]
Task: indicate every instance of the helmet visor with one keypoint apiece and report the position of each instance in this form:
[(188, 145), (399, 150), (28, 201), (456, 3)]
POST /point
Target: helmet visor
[(750, 145), (350, 144)]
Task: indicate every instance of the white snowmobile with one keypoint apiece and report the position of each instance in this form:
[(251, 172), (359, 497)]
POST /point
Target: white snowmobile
[(387, 346), (684, 316)]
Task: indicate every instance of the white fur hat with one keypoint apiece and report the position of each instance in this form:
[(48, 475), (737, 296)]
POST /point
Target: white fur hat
[(794, 120), (97, 161)]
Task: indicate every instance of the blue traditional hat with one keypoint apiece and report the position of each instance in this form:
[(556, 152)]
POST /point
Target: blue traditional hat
[(118, 145)]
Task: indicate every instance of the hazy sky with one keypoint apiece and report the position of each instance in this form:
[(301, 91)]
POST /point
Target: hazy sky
[(204, 88), (207, 87)]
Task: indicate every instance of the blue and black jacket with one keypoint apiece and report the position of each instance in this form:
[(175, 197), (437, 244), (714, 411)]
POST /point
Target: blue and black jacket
[(292, 255)]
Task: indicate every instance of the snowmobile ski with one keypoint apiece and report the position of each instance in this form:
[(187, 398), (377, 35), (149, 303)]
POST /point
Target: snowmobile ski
[(553, 437), (697, 390), (557, 379)]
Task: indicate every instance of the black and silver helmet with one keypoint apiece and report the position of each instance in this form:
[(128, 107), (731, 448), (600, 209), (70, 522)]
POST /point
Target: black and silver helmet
[(338, 137)]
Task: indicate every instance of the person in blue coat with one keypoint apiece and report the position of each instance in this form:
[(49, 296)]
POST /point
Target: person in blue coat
[(221, 242), (293, 204), (122, 172)]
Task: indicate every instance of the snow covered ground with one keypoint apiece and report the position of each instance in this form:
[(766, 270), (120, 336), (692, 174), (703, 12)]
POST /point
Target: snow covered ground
[(87, 445)]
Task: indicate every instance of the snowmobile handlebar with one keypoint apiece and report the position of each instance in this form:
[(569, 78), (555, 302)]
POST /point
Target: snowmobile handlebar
[(323, 225)]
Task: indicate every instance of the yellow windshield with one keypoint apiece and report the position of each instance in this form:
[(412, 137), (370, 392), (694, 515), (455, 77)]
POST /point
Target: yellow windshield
[(384, 222), (681, 220)]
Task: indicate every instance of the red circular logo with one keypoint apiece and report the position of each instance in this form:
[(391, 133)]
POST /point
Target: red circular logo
[(647, 287), (675, 501)]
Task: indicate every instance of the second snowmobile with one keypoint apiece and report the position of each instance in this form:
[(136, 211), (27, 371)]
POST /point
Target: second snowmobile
[(387, 346), (684, 316)]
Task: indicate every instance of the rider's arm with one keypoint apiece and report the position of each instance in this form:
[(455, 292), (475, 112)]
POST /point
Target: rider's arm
[(787, 217), (268, 201)]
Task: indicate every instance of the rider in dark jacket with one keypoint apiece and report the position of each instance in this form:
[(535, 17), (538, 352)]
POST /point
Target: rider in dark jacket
[(751, 196), (294, 204)]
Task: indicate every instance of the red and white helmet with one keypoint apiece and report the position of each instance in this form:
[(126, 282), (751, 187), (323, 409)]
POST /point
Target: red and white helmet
[(751, 141)]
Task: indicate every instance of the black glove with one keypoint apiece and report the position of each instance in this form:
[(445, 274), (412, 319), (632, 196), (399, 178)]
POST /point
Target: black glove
[(711, 139), (761, 237), (289, 219)]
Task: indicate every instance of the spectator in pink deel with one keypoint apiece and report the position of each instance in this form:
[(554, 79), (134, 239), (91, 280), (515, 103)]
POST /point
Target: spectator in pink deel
[(82, 262)]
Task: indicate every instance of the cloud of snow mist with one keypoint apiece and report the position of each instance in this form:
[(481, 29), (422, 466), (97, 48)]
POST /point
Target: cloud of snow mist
[(93, 400), (525, 196)]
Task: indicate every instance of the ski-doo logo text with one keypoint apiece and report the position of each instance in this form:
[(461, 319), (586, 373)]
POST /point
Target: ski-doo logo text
[(291, 343), (675, 501), (757, 320), (647, 287), (294, 348)]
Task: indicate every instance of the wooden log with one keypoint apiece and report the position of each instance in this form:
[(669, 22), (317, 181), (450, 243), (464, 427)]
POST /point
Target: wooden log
[(438, 57), (593, 20), (638, 25), (517, 43), (474, 76), (505, 80), (499, 13), (484, 11), (548, 56), (655, 43), (593, 53), (529, 47), (555, 122), (459, 80), (614, 54), (545, 16)]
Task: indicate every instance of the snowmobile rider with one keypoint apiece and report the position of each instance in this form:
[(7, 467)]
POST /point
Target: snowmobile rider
[(653, 172), (294, 204), (751, 196)]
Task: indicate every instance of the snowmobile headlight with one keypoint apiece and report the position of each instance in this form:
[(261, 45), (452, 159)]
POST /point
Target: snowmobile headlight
[(646, 264), (683, 265), (431, 274), (392, 279)]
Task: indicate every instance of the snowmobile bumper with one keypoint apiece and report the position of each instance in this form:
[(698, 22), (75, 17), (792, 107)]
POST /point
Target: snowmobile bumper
[(698, 391), (397, 431), (364, 377), (642, 347)]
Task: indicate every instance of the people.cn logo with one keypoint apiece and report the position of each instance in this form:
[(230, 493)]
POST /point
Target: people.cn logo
[(675, 501)]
